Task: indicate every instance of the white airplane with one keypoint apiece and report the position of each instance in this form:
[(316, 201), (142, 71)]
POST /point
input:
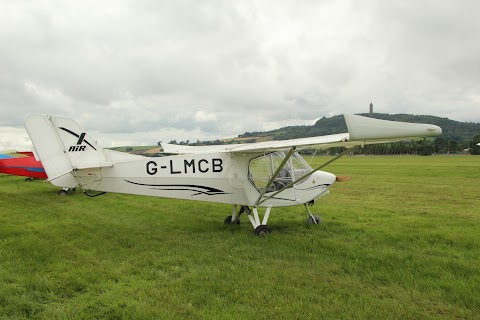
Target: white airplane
[(250, 176)]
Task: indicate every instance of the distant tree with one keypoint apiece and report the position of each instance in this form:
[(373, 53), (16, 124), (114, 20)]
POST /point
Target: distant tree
[(129, 149), (425, 148), (173, 142), (245, 135)]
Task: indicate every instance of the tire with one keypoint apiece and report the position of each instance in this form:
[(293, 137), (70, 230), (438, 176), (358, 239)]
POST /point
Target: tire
[(228, 220), (318, 220), (262, 230)]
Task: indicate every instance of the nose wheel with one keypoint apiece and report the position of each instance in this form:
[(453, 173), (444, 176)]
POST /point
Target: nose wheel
[(312, 219)]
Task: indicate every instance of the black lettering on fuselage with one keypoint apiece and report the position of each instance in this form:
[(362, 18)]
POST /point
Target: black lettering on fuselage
[(151, 167), (200, 165), (171, 168), (217, 165), (190, 164)]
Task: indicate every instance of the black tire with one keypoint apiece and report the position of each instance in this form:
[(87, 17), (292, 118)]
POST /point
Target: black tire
[(317, 220), (62, 192), (262, 230), (228, 220)]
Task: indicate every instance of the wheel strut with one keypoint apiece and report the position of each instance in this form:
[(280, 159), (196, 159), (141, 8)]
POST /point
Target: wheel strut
[(235, 218), (260, 229), (312, 219)]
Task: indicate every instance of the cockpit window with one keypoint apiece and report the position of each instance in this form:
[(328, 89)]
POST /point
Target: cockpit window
[(262, 168)]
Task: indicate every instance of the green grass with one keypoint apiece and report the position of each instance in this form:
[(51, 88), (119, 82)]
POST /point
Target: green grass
[(400, 240)]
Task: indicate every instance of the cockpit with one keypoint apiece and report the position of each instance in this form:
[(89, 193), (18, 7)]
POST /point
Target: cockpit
[(261, 170)]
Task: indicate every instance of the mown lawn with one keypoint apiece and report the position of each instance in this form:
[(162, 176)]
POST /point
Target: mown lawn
[(401, 240)]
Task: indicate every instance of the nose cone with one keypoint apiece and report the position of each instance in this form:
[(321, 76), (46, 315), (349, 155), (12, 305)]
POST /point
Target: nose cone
[(323, 178)]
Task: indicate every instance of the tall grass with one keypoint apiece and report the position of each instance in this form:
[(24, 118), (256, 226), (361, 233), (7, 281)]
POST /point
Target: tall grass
[(400, 240)]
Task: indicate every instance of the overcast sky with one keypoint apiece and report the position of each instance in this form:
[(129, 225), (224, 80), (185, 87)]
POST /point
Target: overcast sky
[(136, 72)]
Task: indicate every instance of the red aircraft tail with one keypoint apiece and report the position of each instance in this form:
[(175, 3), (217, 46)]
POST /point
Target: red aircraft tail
[(23, 166)]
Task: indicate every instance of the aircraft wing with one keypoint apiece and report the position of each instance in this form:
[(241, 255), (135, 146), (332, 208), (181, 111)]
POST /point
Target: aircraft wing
[(361, 131), (267, 146)]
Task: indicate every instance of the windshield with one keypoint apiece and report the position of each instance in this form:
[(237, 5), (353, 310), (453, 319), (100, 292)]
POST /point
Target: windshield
[(261, 170)]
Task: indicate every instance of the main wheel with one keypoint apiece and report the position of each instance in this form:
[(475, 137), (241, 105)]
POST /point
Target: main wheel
[(262, 230), (317, 220), (228, 220), (62, 192)]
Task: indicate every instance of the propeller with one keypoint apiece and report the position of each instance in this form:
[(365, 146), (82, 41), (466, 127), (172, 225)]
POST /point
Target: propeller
[(343, 178)]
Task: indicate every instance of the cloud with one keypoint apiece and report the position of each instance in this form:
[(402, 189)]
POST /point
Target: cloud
[(202, 116), (200, 70)]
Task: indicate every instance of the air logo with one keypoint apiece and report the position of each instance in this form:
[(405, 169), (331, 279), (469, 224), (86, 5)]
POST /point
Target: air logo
[(78, 147), (81, 139)]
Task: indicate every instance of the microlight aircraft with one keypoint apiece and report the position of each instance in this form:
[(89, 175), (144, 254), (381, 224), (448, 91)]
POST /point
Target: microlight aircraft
[(247, 176), (21, 164)]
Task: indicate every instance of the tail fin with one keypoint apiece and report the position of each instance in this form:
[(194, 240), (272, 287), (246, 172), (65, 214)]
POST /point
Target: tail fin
[(62, 146)]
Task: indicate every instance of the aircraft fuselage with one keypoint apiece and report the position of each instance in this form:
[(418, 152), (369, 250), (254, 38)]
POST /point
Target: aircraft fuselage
[(213, 177)]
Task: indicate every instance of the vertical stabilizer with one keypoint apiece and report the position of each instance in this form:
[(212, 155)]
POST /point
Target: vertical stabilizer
[(62, 146)]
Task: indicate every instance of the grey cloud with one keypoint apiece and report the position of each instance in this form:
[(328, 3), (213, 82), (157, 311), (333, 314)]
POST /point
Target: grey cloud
[(205, 68)]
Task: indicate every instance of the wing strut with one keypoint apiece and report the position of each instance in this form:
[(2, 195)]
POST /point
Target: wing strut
[(299, 179), (274, 176)]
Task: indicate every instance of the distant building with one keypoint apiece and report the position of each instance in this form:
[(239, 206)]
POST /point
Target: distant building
[(371, 107)]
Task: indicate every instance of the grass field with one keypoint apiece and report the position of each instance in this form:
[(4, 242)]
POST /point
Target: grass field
[(401, 240)]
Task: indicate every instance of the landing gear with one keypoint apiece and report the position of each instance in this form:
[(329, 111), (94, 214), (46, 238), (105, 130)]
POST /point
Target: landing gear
[(260, 229), (235, 217), (229, 220), (315, 220), (65, 191), (312, 219)]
